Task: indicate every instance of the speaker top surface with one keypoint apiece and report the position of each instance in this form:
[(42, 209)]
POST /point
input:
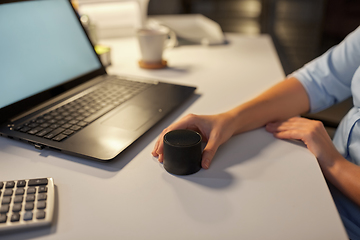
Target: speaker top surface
[(182, 138)]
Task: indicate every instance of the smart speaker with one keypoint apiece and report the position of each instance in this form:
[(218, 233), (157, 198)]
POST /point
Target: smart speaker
[(182, 152)]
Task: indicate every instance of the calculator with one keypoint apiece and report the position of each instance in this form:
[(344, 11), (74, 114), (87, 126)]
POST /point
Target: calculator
[(26, 203)]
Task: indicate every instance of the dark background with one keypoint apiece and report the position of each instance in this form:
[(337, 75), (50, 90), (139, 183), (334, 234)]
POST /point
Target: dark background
[(301, 30)]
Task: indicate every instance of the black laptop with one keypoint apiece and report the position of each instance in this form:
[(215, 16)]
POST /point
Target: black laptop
[(56, 94)]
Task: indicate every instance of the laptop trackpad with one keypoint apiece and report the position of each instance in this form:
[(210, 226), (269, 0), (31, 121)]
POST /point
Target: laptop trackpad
[(129, 118)]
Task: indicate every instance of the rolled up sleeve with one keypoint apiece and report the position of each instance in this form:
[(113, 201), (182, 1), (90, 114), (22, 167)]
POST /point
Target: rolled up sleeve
[(327, 79)]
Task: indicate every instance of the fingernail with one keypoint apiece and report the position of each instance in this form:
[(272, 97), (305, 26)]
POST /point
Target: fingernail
[(160, 159), (206, 163)]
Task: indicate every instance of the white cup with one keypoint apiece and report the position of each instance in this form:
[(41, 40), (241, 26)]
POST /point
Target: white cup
[(153, 42)]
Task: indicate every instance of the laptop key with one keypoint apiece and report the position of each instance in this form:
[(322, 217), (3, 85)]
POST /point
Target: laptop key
[(59, 137), (35, 130), (54, 133), (43, 132), (24, 129), (73, 122), (82, 124), (45, 125), (40, 120), (33, 125), (75, 128), (68, 132), (99, 113), (66, 125)]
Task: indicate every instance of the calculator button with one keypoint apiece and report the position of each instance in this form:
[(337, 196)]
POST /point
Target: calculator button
[(3, 218), (15, 217), (17, 207), (41, 205), (31, 190), (28, 216), (29, 206), (40, 215), (21, 183), (30, 198), (8, 192), (10, 184), (42, 196), (6, 200), (20, 191), (4, 208), (18, 199), (38, 182), (42, 189)]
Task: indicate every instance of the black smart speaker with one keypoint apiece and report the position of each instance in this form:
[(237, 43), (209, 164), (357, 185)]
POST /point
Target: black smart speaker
[(182, 152)]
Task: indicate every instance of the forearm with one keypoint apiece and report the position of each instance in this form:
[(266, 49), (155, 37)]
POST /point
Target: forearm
[(344, 175), (284, 100)]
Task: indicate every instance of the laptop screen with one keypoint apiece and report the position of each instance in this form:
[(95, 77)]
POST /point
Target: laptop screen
[(42, 45)]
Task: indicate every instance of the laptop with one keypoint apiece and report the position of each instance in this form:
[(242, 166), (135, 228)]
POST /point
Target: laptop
[(55, 92)]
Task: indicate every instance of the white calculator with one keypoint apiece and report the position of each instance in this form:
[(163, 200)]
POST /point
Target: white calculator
[(26, 203)]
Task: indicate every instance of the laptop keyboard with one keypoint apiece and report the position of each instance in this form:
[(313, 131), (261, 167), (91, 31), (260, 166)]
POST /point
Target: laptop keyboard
[(70, 118)]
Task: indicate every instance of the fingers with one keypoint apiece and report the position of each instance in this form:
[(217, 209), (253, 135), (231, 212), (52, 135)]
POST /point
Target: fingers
[(213, 129), (154, 151), (208, 154), (293, 128), (295, 123), (187, 122)]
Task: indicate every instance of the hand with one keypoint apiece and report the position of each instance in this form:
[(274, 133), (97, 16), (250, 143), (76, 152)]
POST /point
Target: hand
[(311, 132), (214, 129)]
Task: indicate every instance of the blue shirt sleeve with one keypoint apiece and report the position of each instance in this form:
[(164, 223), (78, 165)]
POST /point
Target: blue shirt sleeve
[(327, 79)]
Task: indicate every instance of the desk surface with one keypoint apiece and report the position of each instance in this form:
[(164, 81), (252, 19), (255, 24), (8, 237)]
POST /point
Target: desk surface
[(258, 187)]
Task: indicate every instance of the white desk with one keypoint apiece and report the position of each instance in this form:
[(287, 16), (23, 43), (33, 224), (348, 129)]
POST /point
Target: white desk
[(257, 187)]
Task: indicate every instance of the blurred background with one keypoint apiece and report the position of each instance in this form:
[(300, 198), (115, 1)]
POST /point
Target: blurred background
[(301, 29)]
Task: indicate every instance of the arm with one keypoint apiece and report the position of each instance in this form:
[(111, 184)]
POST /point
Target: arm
[(286, 99), (282, 101)]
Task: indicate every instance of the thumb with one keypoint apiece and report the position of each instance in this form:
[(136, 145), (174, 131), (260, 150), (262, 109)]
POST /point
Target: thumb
[(208, 154)]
